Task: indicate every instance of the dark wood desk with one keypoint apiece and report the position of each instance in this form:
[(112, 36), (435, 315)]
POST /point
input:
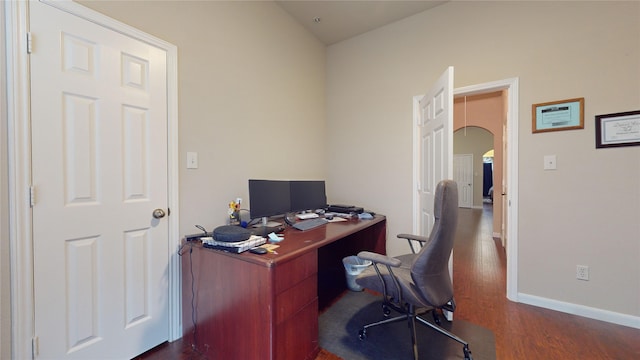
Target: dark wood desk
[(249, 306)]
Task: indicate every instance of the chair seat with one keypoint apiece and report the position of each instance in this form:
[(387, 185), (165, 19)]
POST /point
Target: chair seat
[(368, 279)]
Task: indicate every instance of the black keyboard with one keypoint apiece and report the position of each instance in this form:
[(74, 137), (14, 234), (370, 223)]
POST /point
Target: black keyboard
[(310, 223)]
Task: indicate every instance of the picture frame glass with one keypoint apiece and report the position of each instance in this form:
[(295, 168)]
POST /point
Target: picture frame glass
[(619, 129), (558, 115)]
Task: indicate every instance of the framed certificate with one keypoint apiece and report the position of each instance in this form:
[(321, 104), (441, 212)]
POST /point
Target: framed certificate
[(619, 129), (558, 115)]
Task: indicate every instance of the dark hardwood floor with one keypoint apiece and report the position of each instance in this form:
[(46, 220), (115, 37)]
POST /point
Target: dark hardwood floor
[(521, 331)]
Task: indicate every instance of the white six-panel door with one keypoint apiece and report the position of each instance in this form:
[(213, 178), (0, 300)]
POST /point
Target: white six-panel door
[(435, 149), (99, 148), (463, 176), (435, 161)]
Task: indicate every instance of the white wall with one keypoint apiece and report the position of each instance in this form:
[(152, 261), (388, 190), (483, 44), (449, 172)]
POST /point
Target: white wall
[(251, 97), (587, 211)]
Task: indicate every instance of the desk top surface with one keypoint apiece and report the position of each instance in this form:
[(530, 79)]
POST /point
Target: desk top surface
[(297, 242)]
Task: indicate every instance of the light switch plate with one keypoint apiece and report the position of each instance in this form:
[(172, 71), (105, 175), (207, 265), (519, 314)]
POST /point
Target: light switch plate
[(192, 160), (549, 162)]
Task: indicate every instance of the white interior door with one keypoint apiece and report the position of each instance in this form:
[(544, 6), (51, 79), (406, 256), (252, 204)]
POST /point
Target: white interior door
[(435, 149), (435, 158), (99, 148), (463, 176)]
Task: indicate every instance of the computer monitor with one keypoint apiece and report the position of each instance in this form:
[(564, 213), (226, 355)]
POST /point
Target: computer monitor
[(308, 195), (269, 198)]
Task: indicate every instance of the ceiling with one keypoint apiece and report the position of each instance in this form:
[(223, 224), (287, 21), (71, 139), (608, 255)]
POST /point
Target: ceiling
[(332, 21)]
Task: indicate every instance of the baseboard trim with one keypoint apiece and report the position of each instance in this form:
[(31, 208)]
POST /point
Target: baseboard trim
[(581, 310)]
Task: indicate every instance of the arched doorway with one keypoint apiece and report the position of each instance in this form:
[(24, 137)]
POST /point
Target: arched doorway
[(472, 142)]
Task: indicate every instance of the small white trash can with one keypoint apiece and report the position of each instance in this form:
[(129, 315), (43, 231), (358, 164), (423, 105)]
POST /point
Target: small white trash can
[(354, 266)]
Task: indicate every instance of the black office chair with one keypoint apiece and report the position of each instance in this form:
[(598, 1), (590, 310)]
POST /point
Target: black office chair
[(415, 284)]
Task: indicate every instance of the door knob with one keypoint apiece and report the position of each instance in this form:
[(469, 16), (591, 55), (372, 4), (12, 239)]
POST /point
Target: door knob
[(158, 213)]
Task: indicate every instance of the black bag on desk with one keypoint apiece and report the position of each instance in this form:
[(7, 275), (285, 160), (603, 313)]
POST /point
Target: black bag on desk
[(345, 209), (231, 233)]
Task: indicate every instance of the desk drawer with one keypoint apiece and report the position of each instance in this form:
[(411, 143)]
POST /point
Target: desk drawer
[(293, 299), (292, 272), (297, 337)]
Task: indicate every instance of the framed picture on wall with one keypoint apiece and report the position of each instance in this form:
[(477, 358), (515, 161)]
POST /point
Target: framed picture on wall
[(619, 129), (558, 115)]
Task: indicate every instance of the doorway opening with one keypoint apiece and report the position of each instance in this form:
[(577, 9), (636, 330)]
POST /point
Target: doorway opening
[(505, 193), (508, 186)]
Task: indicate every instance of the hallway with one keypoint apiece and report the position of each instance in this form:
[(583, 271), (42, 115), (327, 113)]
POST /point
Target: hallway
[(523, 331)]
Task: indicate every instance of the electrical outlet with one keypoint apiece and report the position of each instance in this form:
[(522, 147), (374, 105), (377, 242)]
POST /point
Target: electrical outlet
[(582, 272)]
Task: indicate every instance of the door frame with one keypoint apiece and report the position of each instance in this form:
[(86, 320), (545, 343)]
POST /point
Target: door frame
[(512, 113), (20, 174)]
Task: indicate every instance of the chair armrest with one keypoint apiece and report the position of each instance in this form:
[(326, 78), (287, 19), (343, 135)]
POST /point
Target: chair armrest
[(380, 259), (410, 238), (423, 239), (389, 262)]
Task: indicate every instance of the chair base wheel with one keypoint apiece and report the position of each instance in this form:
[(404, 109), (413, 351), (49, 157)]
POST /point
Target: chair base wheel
[(467, 353), (436, 318)]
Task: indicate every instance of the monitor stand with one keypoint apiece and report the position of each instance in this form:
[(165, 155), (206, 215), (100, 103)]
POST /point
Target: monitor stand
[(267, 223), (264, 231), (267, 227)]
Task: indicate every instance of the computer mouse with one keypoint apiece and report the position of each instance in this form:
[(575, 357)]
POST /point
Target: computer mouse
[(258, 250), (328, 216)]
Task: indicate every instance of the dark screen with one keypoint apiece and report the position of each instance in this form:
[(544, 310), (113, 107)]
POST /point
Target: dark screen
[(277, 197), (308, 195), (269, 198)]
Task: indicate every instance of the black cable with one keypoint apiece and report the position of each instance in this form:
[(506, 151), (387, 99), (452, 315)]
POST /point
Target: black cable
[(194, 316)]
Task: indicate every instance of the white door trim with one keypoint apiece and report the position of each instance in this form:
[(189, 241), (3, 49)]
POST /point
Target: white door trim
[(511, 85), (19, 168), (19, 173)]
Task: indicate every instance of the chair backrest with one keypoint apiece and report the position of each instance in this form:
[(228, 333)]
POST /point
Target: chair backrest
[(430, 269)]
